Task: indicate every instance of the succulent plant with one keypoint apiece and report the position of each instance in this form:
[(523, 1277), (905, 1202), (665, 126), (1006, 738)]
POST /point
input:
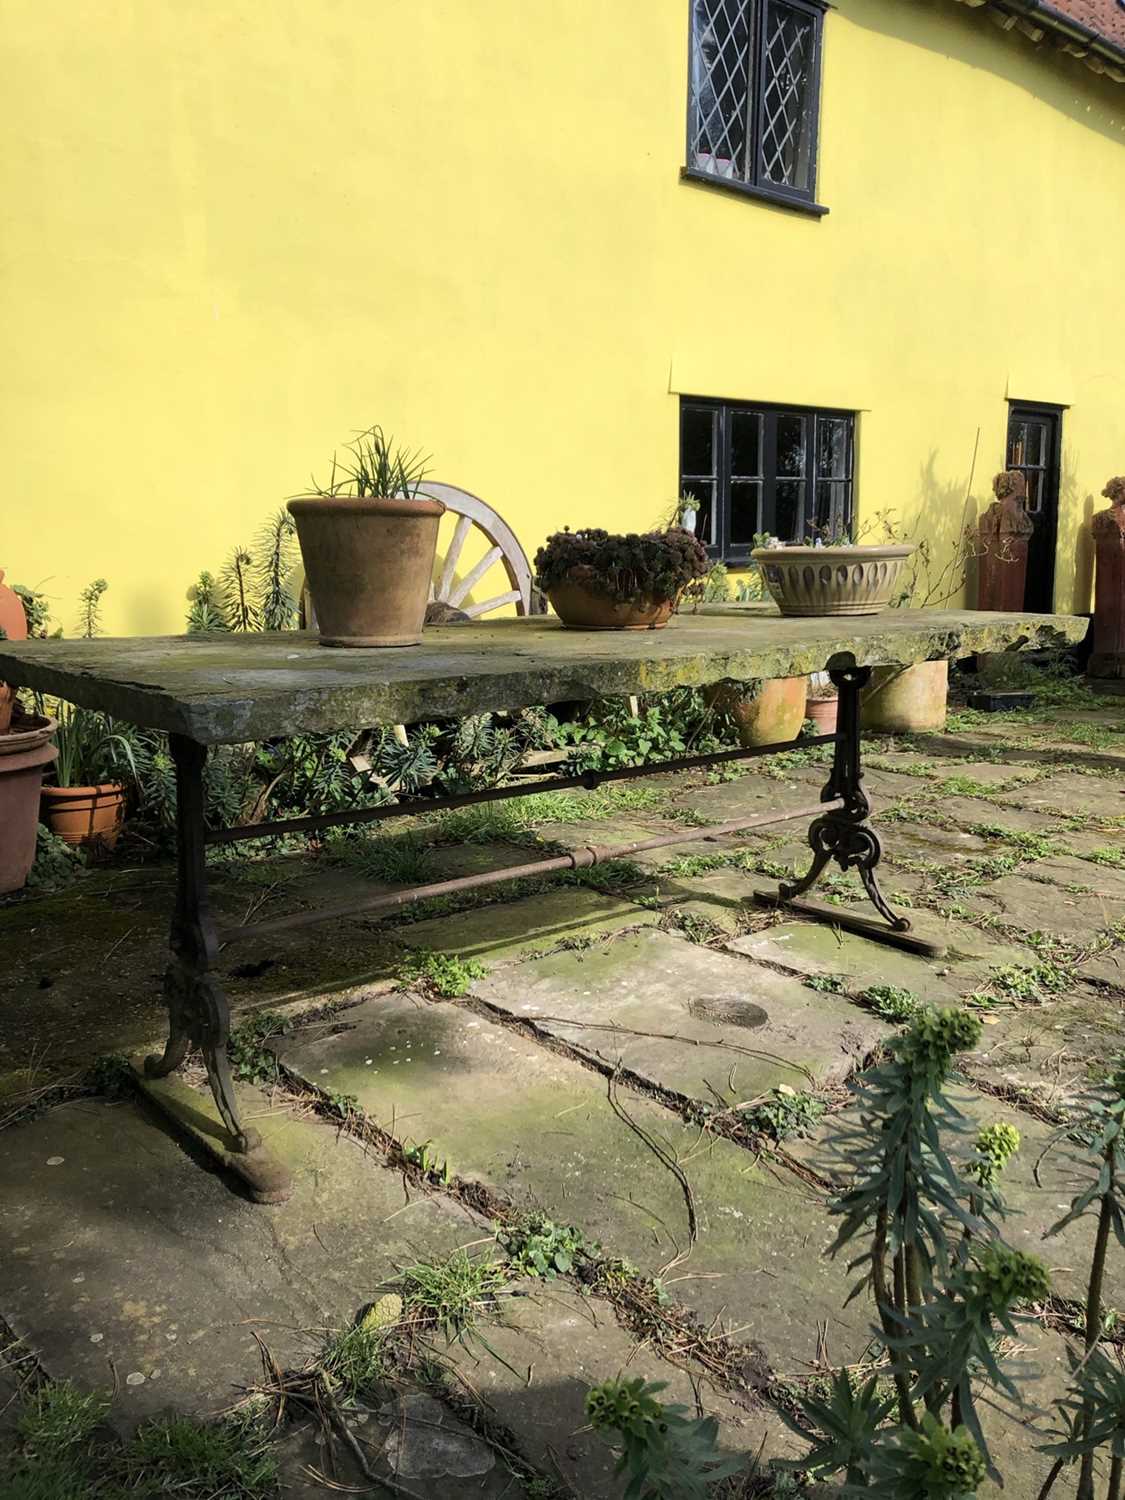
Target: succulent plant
[(655, 565)]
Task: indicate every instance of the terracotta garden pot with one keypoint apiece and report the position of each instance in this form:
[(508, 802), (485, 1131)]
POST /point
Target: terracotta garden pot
[(580, 607), (369, 565), (831, 580), (24, 757), (905, 700), (85, 814), (771, 716), (822, 712), (13, 625)]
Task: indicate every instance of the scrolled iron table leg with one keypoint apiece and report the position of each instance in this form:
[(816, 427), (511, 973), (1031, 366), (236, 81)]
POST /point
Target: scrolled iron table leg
[(844, 834), (198, 1012)]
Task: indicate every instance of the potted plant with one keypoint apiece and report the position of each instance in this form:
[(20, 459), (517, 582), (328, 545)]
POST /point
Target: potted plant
[(368, 540), (13, 627), (86, 804), (822, 703), (25, 754), (599, 581), (833, 580)]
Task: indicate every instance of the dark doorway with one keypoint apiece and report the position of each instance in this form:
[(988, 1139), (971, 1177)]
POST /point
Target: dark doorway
[(1034, 447)]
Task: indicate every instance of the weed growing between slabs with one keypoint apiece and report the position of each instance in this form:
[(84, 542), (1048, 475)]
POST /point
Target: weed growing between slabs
[(441, 974), (923, 1208)]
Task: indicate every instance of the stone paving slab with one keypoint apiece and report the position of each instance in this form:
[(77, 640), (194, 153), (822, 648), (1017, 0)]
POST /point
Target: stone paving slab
[(541, 1130), (1039, 906), (508, 930), (1066, 870), (755, 794), (1054, 1049), (704, 1024), (811, 948), (535, 1367), (1070, 793), (972, 811), (723, 898), (117, 1250)]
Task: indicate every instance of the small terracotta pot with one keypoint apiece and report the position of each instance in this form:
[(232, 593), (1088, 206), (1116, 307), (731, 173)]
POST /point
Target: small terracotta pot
[(85, 814), (905, 700), (13, 622), (24, 757), (369, 565), (771, 716), (580, 607), (822, 712), (7, 698)]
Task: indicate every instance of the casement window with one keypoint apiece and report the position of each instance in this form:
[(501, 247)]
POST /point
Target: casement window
[(756, 468), (755, 96)]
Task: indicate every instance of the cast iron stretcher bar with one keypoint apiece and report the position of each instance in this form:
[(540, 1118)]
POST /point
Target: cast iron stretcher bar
[(212, 690)]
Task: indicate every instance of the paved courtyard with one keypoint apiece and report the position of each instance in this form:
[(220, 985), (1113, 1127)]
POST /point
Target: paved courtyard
[(612, 1054)]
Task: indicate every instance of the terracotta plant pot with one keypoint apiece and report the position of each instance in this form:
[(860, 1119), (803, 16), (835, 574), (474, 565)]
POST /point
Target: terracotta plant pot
[(580, 607), (905, 700), (771, 716), (369, 565), (831, 580), (85, 814), (13, 627), (822, 712), (24, 757)]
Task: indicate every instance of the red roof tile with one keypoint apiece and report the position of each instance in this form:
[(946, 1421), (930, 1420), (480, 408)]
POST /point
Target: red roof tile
[(1106, 17)]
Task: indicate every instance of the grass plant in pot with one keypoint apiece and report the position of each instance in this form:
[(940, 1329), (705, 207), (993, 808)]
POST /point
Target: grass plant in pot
[(598, 581), (368, 540), (86, 803)]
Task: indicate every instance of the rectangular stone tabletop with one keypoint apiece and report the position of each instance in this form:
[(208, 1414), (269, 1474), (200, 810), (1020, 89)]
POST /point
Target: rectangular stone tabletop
[(227, 689)]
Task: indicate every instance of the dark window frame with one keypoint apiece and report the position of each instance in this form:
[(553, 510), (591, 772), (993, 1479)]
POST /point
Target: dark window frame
[(755, 183), (721, 547)]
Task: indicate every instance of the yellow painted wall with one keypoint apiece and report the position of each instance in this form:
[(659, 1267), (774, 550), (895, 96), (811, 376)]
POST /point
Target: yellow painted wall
[(233, 233)]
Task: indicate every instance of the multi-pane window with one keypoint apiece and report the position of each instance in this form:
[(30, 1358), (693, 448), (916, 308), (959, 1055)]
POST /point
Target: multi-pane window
[(755, 84), (751, 469)]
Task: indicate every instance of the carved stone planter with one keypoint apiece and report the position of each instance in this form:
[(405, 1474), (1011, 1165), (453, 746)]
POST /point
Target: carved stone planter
[(1108, 657), (1003, 534), (832, 580)]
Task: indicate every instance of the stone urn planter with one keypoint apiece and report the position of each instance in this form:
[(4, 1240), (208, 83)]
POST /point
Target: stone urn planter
[(25, 754), (832, 580), (595, 580), (905, 700), (765, 713)]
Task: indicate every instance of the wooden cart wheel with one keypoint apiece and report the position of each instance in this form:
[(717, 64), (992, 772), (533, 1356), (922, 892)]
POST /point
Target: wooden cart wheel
[(448, 592)]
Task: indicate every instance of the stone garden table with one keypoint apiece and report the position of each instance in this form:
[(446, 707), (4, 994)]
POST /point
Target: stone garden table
[(209, 690)]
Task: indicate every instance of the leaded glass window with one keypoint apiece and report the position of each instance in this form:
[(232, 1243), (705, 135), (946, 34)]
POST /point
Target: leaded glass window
[(755, 86), (753, 469)]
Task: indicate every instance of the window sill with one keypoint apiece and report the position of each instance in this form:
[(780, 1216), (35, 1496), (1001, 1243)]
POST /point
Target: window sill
[(748, 190)]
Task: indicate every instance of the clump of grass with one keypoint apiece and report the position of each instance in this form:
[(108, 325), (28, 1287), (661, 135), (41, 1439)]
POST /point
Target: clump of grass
[(515, 821), (1115, 858), (442, 973), (356, 1359), (891, 1001), (181, 1457), (59, 1416), (427, 1161), (403, 859), (694, 926), (785, 1113), (452, 1295)]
